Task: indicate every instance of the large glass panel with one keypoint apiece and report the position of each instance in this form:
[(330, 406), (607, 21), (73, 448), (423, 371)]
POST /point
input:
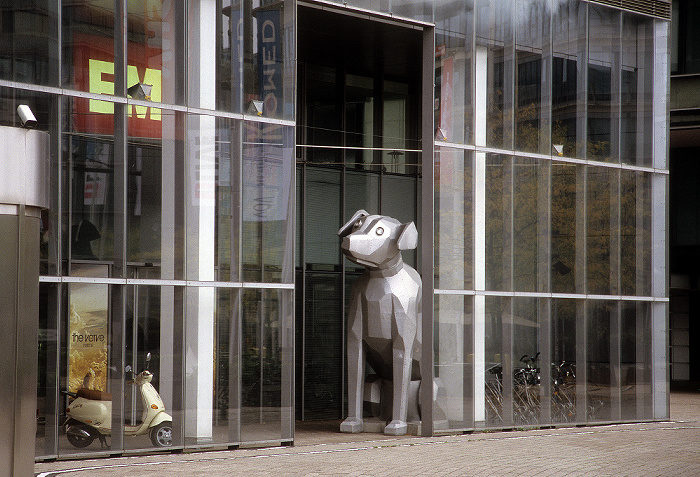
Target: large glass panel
[(229, 55), (227, 370), (49, 405), (454, 30), (86, 348), (395, 129), (635, 233), (322, 219), (201, 314), (228, 186), (532, 57), (499, 213), (322, 122), (267, 345), (324, 346), (454, 219), (359, 121), (600, 369), (635, 361), (637, 69), (526, 363), (494, 60), (568, 82), (268, 203), (200, 197), (603, 230), (89, 181), (498, 364), (268, 58), (143, 347), (691, 56), (565, 208), (454, 361), (603, 81), (213, 364), (155, 157), (28, 42), (154, 40), (529, 223), (88, 48), (563, 388), (398, 200), (361, 192)]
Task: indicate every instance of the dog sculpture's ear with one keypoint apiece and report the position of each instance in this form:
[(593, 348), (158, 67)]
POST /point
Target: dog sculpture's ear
[(347, 228), (408, 237)]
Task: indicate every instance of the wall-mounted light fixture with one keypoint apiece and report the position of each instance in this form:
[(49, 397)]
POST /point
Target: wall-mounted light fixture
[(26, 116), (255, 107), (140, 91)]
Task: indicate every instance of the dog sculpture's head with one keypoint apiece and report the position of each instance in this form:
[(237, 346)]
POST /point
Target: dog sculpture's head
[(375, 240)]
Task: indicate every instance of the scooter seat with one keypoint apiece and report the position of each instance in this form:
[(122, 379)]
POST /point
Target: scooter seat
[(94, 394)]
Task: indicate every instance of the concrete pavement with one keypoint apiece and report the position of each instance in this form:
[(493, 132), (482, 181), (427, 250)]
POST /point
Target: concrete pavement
[(645, 449)]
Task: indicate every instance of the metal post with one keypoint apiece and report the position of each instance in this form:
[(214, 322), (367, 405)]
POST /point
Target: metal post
[(427, 227)]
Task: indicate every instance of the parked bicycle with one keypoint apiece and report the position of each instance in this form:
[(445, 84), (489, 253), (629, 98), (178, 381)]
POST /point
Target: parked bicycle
[(527, 394)]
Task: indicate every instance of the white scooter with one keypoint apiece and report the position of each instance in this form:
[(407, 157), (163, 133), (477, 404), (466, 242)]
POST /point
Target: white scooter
[(90, 414)]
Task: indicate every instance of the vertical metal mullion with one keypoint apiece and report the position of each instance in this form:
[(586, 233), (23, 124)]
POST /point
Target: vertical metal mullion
[(507, 364), (509, 77), (545, 146), (582, 80), (544, 192), (581, 361), (544, 313), (343, 321), (615, 351), (55, 245), (427, 230), (235, 330), (118, 291), (616, 87), (581, 288), (302, 263)]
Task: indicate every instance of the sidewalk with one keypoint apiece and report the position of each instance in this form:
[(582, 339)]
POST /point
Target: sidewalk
[(653, 449)]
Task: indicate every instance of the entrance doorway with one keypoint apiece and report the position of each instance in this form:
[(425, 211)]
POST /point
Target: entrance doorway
[(358, 147)]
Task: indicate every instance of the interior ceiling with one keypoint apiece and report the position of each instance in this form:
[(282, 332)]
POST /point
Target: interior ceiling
[(359, 44)]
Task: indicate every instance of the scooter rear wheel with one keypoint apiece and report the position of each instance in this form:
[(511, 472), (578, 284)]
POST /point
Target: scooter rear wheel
[(77, 439), (162, 434)]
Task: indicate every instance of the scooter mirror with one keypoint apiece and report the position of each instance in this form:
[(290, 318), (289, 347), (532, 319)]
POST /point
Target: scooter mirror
[(127, 369)]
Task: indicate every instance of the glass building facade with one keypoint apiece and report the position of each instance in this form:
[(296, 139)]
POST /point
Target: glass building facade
[(528, 140)]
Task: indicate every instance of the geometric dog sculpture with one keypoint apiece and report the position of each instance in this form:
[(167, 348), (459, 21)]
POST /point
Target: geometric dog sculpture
[(384, 317)]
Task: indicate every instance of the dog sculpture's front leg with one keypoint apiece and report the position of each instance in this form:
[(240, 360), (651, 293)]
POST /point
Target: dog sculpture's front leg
[(356, 367), (403, 336)]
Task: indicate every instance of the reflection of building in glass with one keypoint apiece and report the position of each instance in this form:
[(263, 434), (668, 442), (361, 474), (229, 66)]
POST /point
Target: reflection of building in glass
[(526, 140), (684, 203)]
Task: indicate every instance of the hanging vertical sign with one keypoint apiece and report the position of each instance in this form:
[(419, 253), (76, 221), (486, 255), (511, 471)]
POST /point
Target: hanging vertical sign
[(266, 180), (88, 333)]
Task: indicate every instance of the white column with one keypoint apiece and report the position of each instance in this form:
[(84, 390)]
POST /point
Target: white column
[(480, 104), (659, 187), (201, 219)]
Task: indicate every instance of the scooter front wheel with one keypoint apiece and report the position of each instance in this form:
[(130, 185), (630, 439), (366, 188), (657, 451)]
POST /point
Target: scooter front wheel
[(162, 434), (79, 435)]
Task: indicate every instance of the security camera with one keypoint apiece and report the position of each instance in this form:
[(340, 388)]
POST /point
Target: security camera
[(26, 116)]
